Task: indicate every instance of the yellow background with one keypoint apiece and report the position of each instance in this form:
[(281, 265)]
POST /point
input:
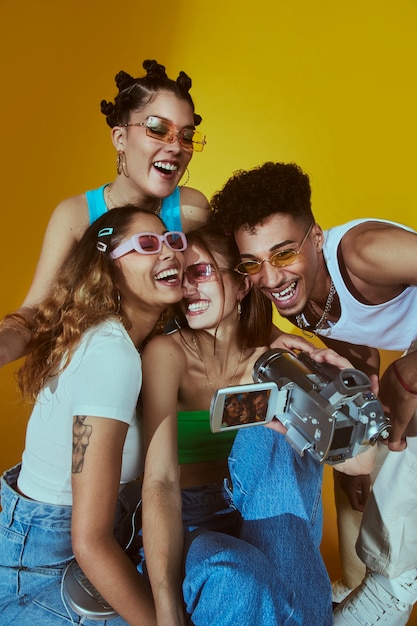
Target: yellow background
[(329, 84)]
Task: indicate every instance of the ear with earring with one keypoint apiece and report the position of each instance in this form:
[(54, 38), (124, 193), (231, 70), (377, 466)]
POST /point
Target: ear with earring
[(187, 171), (121, 163)]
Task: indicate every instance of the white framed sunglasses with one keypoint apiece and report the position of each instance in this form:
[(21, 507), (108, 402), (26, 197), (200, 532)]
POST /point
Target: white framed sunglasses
[(151, 243)]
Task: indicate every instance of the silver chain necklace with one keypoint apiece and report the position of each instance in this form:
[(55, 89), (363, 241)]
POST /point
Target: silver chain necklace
[(302, 322)]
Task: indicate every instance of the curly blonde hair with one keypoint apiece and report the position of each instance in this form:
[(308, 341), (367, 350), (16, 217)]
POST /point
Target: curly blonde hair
[(84, 295)]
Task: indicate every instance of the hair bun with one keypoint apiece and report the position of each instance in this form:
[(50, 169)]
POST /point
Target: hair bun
[(184, 82), (124, 80), (154, 69)]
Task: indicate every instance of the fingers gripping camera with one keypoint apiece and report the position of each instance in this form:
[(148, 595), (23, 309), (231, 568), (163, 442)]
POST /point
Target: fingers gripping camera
[(330, 413)]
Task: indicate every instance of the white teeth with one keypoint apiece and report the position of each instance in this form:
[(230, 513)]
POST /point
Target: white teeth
[(194, 307), (166, 166), (166, 274), (286, 293)]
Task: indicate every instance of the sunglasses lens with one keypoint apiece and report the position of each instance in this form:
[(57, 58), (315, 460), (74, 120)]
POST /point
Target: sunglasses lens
[(249, 267), (286, 257), (176, 241), (200, 272), (192, 139), (187, 138), (149, 243), (157, 128), (198, 141)]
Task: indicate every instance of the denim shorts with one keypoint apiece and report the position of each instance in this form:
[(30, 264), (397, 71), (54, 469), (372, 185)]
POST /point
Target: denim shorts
[(35, 547)]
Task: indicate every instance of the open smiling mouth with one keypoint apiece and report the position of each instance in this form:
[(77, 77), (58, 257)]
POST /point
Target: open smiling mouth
[(167, 275), (165, 167), (285, 294), (198, 307)]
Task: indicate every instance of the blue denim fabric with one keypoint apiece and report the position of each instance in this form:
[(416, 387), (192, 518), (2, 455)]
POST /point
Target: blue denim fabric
[(210, 507), (278, 494), (227, 581), (35, 547)]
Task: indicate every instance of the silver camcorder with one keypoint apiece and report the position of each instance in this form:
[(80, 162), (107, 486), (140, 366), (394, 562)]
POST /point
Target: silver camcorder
[(330, 413)]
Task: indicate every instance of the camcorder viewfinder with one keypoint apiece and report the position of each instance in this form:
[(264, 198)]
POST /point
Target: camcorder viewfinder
[(330, 413)]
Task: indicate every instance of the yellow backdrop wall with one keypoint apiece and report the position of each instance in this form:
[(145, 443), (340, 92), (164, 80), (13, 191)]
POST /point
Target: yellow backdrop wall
[(325, 83)]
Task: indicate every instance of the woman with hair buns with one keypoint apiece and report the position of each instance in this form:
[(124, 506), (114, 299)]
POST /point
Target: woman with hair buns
[(153, 129)]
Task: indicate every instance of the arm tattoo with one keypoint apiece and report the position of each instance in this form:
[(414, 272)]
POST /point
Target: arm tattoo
[(81, 434)]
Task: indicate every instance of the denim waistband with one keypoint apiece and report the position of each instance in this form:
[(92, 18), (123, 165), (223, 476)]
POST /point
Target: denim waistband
[(18, 507), (207, 495)]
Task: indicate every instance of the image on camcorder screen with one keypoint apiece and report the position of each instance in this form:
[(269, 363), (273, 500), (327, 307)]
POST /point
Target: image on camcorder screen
[(248, 407)]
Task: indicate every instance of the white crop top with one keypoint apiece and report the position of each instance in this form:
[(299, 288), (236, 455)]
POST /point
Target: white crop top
[(391, 325), (103, 379)]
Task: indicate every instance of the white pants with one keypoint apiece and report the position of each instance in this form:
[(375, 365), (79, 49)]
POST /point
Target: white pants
[(387, 540), (348, 526), (386, 533)]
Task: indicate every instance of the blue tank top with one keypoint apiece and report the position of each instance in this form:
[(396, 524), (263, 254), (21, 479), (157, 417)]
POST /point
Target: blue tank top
[(170, 210)]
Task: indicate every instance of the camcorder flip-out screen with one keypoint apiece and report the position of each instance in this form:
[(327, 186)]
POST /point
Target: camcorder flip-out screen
[(332, 414), (242, 406)]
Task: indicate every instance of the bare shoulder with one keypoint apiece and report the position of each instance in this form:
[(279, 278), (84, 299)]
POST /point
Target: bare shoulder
[(167, 348), (194, 208), (371, 251), (370, 236), (71, 214)]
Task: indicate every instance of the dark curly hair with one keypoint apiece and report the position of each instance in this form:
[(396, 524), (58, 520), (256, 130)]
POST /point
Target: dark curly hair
[(135, 93), (250, 196)]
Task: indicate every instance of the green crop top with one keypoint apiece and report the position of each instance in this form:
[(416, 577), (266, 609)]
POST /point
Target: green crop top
[(197, 443)]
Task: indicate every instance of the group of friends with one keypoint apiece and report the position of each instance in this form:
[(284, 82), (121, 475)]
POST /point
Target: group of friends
[(145, 301)]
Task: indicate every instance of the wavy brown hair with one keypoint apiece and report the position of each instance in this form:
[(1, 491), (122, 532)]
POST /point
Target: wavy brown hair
[(84, 295)]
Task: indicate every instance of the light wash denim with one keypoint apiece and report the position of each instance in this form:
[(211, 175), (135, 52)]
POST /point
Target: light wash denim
[(271, 574), (35, 547), (227, 582), (278, 494)]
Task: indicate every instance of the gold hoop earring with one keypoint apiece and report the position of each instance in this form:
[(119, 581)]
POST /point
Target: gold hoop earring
[(121, 163), (187, 171)]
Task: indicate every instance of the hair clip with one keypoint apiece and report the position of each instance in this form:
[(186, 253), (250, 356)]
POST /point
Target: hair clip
[(105, 231)]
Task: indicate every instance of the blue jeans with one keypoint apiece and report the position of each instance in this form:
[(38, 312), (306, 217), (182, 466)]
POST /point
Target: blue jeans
[(35, 547), (272, 574), (227, 581), (278, 494)]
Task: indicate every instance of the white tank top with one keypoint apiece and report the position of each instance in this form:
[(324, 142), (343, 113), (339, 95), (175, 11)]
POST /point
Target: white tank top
[(391, 325)]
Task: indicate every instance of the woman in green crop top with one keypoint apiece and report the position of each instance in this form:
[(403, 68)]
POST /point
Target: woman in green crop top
[(216, 346), (224, 327), (153, 130)]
